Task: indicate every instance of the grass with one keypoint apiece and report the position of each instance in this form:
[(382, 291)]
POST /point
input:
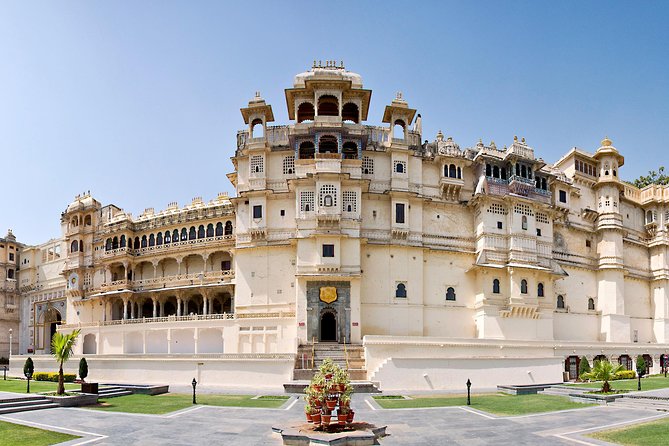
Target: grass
[(169, 402), (19, 386), (18, 435), (500, 404), (648, 383), (646, 434)]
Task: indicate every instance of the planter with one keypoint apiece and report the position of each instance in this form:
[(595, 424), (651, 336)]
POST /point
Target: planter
[(316, 418), (89, 387), (342, 388), (349, 418), (84, 399), (309, 418), (317, 404), (331, 404), (342, 418), (325, 419), (328, 376)]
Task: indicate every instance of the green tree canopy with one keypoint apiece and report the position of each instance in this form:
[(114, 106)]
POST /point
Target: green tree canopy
[(603, 371), (62, 346), (653, 177)]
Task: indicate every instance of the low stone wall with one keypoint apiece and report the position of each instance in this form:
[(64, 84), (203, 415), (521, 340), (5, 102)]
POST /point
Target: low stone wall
[(253, 370)]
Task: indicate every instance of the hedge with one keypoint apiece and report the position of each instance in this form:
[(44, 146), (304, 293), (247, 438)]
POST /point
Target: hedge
[(53, 376), (626, 374)]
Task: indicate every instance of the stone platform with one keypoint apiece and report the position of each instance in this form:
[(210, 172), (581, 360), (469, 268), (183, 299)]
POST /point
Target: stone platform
[(356, 434)]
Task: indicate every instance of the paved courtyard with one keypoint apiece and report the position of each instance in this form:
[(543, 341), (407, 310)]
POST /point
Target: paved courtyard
[(207, 425)]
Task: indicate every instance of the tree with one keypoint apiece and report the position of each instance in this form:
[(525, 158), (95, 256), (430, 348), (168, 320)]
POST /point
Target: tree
[(583, 367), (653, 177), (83, 369), (61, 347), (28, 370), (640, 365), (603, 371)]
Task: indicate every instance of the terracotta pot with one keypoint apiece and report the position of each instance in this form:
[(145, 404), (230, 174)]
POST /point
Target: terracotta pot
[(350, 416), (309, 418), (325, 419), (342, 387), (316, 418), (328, 376), (331, 404), (318, 388), (317, 404), (342, 418)]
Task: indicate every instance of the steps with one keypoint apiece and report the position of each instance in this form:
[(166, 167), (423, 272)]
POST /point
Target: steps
[(111, 392), (339, 353), (641, 402), (24, 404)]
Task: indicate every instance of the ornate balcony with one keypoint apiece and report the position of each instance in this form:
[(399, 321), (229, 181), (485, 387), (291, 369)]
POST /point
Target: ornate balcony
[(175, 281)]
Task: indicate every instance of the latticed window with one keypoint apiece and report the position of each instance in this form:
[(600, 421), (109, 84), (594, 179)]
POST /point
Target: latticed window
[(289, 165), (367, 165), (496, 208), (257, 164), (306, 201), (523, 209), (327, 190), (542, 218), (400, 166), (349, 201)]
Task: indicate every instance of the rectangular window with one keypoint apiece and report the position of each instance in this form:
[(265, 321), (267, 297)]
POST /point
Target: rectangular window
[(225, 265), (328, 251), (283, 212), (499, 225), (587, 243), (563, 196), (10, 273), (11, 256), (538, 232), (399, 212), (257, 211)]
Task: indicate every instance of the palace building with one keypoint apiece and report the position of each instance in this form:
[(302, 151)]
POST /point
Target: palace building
[(418, 263)]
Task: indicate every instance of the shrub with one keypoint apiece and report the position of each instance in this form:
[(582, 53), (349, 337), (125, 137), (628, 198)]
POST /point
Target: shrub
[(53, 376), (625, 374), (83, 369), (583, 367), (3, 360), (640, 365)]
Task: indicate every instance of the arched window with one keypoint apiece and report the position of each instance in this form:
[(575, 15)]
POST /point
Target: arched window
[(649, 216), (159, 239), (175, 236), (523, 286), (136, 244), (523, 171), (191, 233), (517, 170), (210, 230), (504, 173), (228, 227), (349, 112), (450, 293), (350, 150), (328, 105), (495, 171), (200, 231), (495, 286), (305, 112), (560, 302), (401, 290), (219, 229), (591, 303), (328, 144), (459, 173), (398, 129), (488, 170), (122, 245), (399, 167), (152, 240), (452, 171), (306, 150), (257, 129), (168, 237), (87, 220), (327, 200), (115, 242), (81, 246), (540, 290), (184, 234), (524, 222), (144, 241)]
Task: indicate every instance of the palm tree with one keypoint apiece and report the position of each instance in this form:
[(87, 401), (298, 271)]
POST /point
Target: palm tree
[(603, 371), (61, 348)]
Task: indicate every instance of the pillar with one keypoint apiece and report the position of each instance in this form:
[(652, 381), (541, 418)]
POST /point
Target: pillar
[(155, 307), (125, 309), (178, 306)]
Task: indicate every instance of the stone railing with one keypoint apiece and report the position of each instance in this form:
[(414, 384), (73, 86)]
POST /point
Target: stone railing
[(520, 150), (168, 247), (201, 278)]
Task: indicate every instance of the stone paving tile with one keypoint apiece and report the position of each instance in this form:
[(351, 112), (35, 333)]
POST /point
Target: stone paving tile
[(208, 425)]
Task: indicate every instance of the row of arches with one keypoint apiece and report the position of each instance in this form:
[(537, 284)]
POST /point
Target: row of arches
[(170, 267), (77, 246), (167, 237), (328, 105), (452, 171), (192, 305), (328, 144), (572, 363), (85, 221)]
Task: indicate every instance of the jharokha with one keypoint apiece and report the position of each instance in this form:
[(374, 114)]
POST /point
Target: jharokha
[(406, 260)]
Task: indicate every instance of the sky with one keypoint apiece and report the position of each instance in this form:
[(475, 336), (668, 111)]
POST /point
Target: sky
[(138, 101)]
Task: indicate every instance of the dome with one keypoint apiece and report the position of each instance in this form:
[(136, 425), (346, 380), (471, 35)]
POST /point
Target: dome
[(328, 72)]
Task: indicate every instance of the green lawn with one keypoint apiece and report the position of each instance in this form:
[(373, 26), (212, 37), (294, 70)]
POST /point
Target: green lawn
[(19, 386), (646, 434), (18, 435), (500, 404), (169, 402), (648, 383)]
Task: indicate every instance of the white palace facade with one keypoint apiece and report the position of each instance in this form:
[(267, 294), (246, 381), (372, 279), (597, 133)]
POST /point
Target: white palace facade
[(435, 262)]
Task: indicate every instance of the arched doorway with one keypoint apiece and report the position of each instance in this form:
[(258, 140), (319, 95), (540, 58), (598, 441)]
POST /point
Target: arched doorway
[(52, 320), (571, 366), (328, 327)]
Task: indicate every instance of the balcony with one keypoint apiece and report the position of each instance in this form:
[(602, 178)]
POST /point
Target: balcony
[(169, 247), (450, 188), (176, 281)]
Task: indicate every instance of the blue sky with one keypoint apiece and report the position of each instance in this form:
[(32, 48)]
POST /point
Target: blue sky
[(139, 101)]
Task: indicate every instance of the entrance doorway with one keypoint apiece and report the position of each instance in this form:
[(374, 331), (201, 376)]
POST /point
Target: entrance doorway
[(328, 327), (54, 321), (571, 366)]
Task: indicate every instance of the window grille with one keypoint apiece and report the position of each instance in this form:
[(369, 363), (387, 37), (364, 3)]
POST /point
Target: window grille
[(289, 165), (257, 164), (367, 165), (400, 167), (523, 209), (349, 201), (542, 218), (496, 208), (306, 201), (327, 189)]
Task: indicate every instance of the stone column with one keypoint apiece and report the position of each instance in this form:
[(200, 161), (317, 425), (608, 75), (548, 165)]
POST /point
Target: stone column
[(132, 310), (125, 308), (178, 306), (162, 308), (155, 307)]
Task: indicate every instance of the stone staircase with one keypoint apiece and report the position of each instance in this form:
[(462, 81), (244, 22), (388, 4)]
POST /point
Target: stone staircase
[(110, 392), (339, 353), (642, 402), (24, 404)]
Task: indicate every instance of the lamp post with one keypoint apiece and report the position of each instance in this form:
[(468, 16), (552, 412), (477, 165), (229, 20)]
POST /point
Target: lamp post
[(469, 386), (10, 342), (194, 383)]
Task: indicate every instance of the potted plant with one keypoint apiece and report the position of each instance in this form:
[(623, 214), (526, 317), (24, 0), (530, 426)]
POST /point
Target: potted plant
[(341, 379), (325, 417), (316, 417), (308, 409)]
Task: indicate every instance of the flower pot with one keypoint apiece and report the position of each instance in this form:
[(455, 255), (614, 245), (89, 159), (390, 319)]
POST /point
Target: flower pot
[(317, 404), (309, 418), (342, 418), (331, 403), (342, 387), (328, 376), (316, 418), (350, 417), (318, 388), (325, 419)]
